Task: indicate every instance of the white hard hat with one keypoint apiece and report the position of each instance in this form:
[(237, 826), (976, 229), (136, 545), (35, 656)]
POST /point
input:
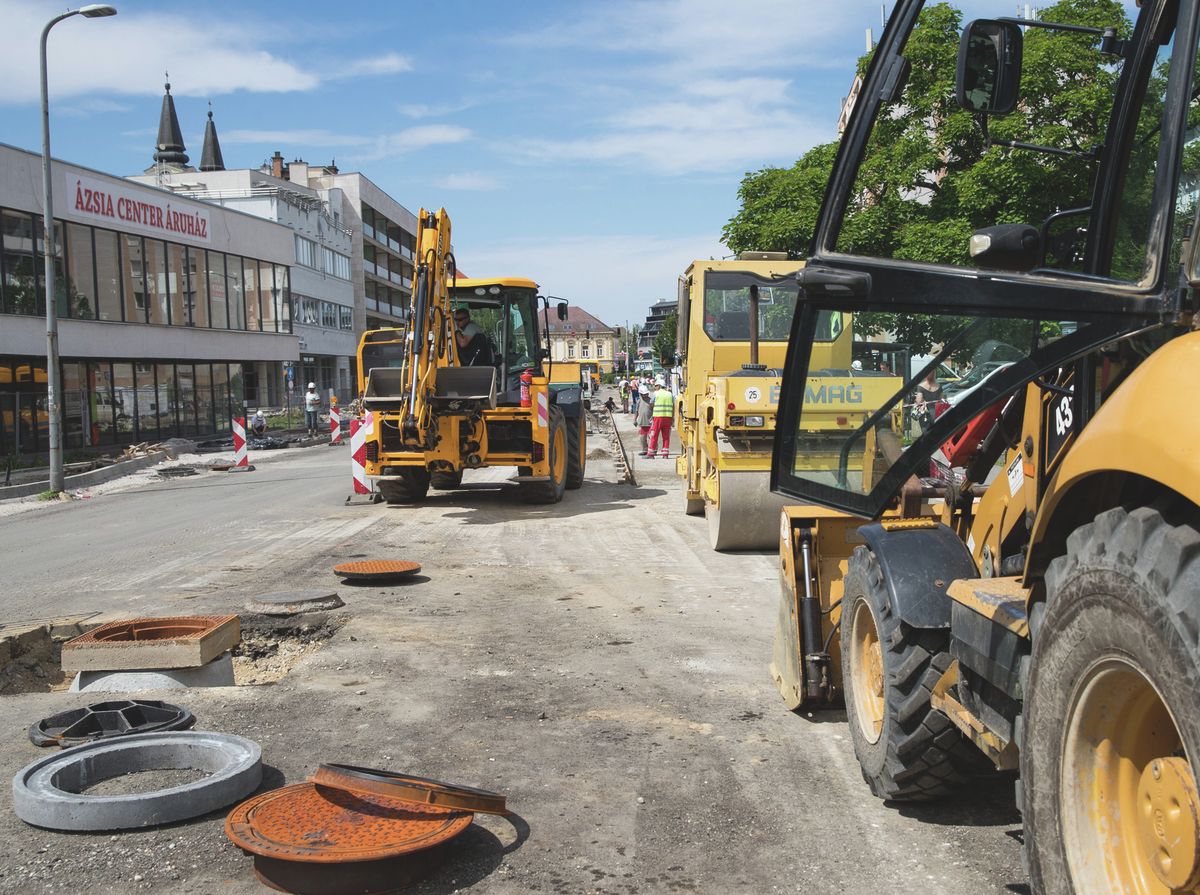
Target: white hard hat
[(856, 365), (312, 385)]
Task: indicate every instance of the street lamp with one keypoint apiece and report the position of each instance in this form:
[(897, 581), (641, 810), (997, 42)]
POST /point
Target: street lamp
[(53, 385)]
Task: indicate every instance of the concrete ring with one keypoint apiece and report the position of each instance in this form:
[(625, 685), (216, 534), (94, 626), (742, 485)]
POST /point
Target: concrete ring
[(47, 793)]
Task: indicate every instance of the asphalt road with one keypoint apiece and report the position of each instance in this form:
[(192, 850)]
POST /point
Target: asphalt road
[(594, 660)]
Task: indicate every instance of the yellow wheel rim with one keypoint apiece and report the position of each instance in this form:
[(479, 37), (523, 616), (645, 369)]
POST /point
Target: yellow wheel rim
[(558, 462), (866, 664), (1127, 797)]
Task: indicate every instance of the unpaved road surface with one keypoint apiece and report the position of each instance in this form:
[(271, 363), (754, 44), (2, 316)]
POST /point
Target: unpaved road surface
[(594, 661)]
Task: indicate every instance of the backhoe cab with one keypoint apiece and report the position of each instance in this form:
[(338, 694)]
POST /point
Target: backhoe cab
[(464, 386), (1046, 617)]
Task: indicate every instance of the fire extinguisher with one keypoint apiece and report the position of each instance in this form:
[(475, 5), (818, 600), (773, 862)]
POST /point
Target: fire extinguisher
[(526, 382)]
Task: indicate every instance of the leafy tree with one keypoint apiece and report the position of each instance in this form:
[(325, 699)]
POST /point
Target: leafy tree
[(928, 179), (664, 340)]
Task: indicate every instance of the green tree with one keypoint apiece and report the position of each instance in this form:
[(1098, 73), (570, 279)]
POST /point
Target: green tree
[(928, 180), (664, 340)]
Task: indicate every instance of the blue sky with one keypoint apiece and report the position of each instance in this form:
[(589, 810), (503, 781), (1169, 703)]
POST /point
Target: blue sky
[(596, 147)]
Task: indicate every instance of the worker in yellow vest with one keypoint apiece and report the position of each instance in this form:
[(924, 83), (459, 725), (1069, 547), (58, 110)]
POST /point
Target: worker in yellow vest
[(664, 415)]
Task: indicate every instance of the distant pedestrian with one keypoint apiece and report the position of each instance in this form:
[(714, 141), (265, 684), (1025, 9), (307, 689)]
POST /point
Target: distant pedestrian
[(312, 404), (645, 416), (635, 391), (663, 415), (624, 391)]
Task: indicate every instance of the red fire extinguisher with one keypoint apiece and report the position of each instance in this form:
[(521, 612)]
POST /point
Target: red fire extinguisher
[(526, 381)]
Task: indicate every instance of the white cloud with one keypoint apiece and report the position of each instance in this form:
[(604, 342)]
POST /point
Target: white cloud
[(129, 53), (371, 146), (86, 108), (614, 277), (424, 110), (468, 180), (387, 64)]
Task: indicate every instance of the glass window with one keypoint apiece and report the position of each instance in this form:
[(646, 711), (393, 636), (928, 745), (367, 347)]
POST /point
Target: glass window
[(282, 283), (185, 390), (133, 279), (177, 285), (197, 287), (165, 402), (156, 281), (204, 401), (221, 404), (75, 431), (237, 297), (20, 282), (306, 252), (237, 386), (101, 405), (570, 349), (147, 402), (727, 305), (599, 349), (218, 307), (125, 401), (268, 296), (108, 275), (252, 292), (329, 318), (585, 349), (60, 269), (346, 318), (81, 281)]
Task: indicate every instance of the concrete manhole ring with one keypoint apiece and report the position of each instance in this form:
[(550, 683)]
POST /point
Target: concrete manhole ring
[(47, 793), (294, 602)]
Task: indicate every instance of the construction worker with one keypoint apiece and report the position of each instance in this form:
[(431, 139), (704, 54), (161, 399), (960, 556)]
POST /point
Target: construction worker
[(312, 405), (664, 415)]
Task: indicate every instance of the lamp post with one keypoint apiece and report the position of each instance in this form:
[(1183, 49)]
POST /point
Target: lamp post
[(53, 385)]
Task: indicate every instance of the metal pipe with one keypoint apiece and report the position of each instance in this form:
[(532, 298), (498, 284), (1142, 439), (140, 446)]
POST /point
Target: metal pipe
[(810, 623), (53, 379)]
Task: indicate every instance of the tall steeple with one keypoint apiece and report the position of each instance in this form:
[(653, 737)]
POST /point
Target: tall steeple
[(210, 157), (170, 141)]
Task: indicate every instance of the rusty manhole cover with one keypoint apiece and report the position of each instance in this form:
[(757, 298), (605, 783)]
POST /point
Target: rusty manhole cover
[(316, 839), (421, 790), (376, 569)]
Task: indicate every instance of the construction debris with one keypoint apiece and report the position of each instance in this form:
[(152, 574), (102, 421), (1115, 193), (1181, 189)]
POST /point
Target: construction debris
[(294, 602)]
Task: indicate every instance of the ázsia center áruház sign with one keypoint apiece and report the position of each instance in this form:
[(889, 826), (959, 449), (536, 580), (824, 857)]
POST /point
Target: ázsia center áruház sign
[(135, 210)]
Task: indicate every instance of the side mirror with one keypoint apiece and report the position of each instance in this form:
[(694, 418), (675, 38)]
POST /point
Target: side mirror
[(562, 310), (1015, 247), (989, 67)]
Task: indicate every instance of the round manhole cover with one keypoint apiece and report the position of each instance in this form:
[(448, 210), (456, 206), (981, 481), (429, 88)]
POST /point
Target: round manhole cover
[(322, 825), (370, 569), (294, 602)]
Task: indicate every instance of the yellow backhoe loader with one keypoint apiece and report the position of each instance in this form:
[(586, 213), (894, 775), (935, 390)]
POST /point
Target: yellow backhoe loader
[(1046, 617), (465, 385)]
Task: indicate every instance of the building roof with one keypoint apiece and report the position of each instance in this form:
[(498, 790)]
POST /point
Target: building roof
[(210, 158), (169, 148), (579, 320)]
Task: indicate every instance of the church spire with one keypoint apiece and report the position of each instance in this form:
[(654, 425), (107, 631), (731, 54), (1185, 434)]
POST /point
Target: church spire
[(170, 148), (210, 157)]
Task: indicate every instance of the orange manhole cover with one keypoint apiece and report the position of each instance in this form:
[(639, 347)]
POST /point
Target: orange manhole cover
[(319, 824), (316, 840), (377, 569)]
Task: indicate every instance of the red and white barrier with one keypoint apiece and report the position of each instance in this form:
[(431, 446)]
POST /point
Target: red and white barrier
[(335, 426), (241, 456), (359, 430)]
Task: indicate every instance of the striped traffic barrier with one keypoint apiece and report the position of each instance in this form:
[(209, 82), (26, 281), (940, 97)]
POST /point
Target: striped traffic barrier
[(359, 430), (335, 425), (241, 456)]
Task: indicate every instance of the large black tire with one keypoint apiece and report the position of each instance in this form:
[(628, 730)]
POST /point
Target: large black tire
[(551, 491), (446, 481), (1115, 672), (411, 487), (907, 750), (576, 451)]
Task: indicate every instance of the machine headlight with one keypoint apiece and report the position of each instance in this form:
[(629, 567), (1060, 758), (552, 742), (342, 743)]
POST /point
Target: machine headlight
[(756, 421)]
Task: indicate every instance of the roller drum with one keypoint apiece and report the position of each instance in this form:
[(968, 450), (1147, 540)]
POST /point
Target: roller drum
[(748, 515)]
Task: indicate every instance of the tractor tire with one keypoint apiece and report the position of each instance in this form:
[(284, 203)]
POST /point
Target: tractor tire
[(906, 749), (551, 491), (1110, 707), (446, 481), (576, 451), (410, 488)]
